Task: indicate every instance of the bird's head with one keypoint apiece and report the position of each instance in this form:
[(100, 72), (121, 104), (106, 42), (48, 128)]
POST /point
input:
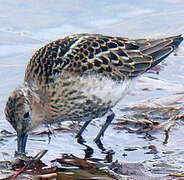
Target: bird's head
[(18, 113)]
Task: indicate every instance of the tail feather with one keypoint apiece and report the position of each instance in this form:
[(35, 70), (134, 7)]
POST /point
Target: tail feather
[(159, 55), (168, 49), (159, 49)]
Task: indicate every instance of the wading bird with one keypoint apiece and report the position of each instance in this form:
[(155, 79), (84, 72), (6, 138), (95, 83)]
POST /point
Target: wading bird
[(81, 77)]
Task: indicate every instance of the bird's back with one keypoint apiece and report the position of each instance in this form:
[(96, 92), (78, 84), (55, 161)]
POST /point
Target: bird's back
[(82, 54)]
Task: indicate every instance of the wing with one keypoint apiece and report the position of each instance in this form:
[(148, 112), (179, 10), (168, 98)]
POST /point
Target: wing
[(115, 57)]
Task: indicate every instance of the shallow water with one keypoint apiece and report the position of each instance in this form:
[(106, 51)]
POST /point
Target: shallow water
[(25, 26)]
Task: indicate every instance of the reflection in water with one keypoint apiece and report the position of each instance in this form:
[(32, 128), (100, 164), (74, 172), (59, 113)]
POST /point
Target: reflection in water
[(89, 151)]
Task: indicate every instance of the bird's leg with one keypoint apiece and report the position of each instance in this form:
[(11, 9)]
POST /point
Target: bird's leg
[(88, 151), (82, 129), (80, 140), (100, 145), (109, 119)]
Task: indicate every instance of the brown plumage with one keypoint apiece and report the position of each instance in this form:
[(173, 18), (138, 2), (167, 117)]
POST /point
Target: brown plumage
[(81, 77), (115, 57)]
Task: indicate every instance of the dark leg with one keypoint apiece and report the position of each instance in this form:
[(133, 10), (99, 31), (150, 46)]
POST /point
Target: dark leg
[(88, 151), (109, 119), (100, 145), (82, 129)]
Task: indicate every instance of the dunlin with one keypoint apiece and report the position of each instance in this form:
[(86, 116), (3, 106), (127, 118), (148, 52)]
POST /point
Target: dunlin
[(81, 77)]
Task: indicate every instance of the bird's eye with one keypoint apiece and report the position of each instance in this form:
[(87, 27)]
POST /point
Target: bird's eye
[(26, 115)]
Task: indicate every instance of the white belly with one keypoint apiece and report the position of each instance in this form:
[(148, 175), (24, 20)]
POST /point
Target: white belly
[(107, 89), (85, 98)]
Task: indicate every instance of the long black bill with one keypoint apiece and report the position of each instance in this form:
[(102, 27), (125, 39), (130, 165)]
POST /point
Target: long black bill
[(21, 142)]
